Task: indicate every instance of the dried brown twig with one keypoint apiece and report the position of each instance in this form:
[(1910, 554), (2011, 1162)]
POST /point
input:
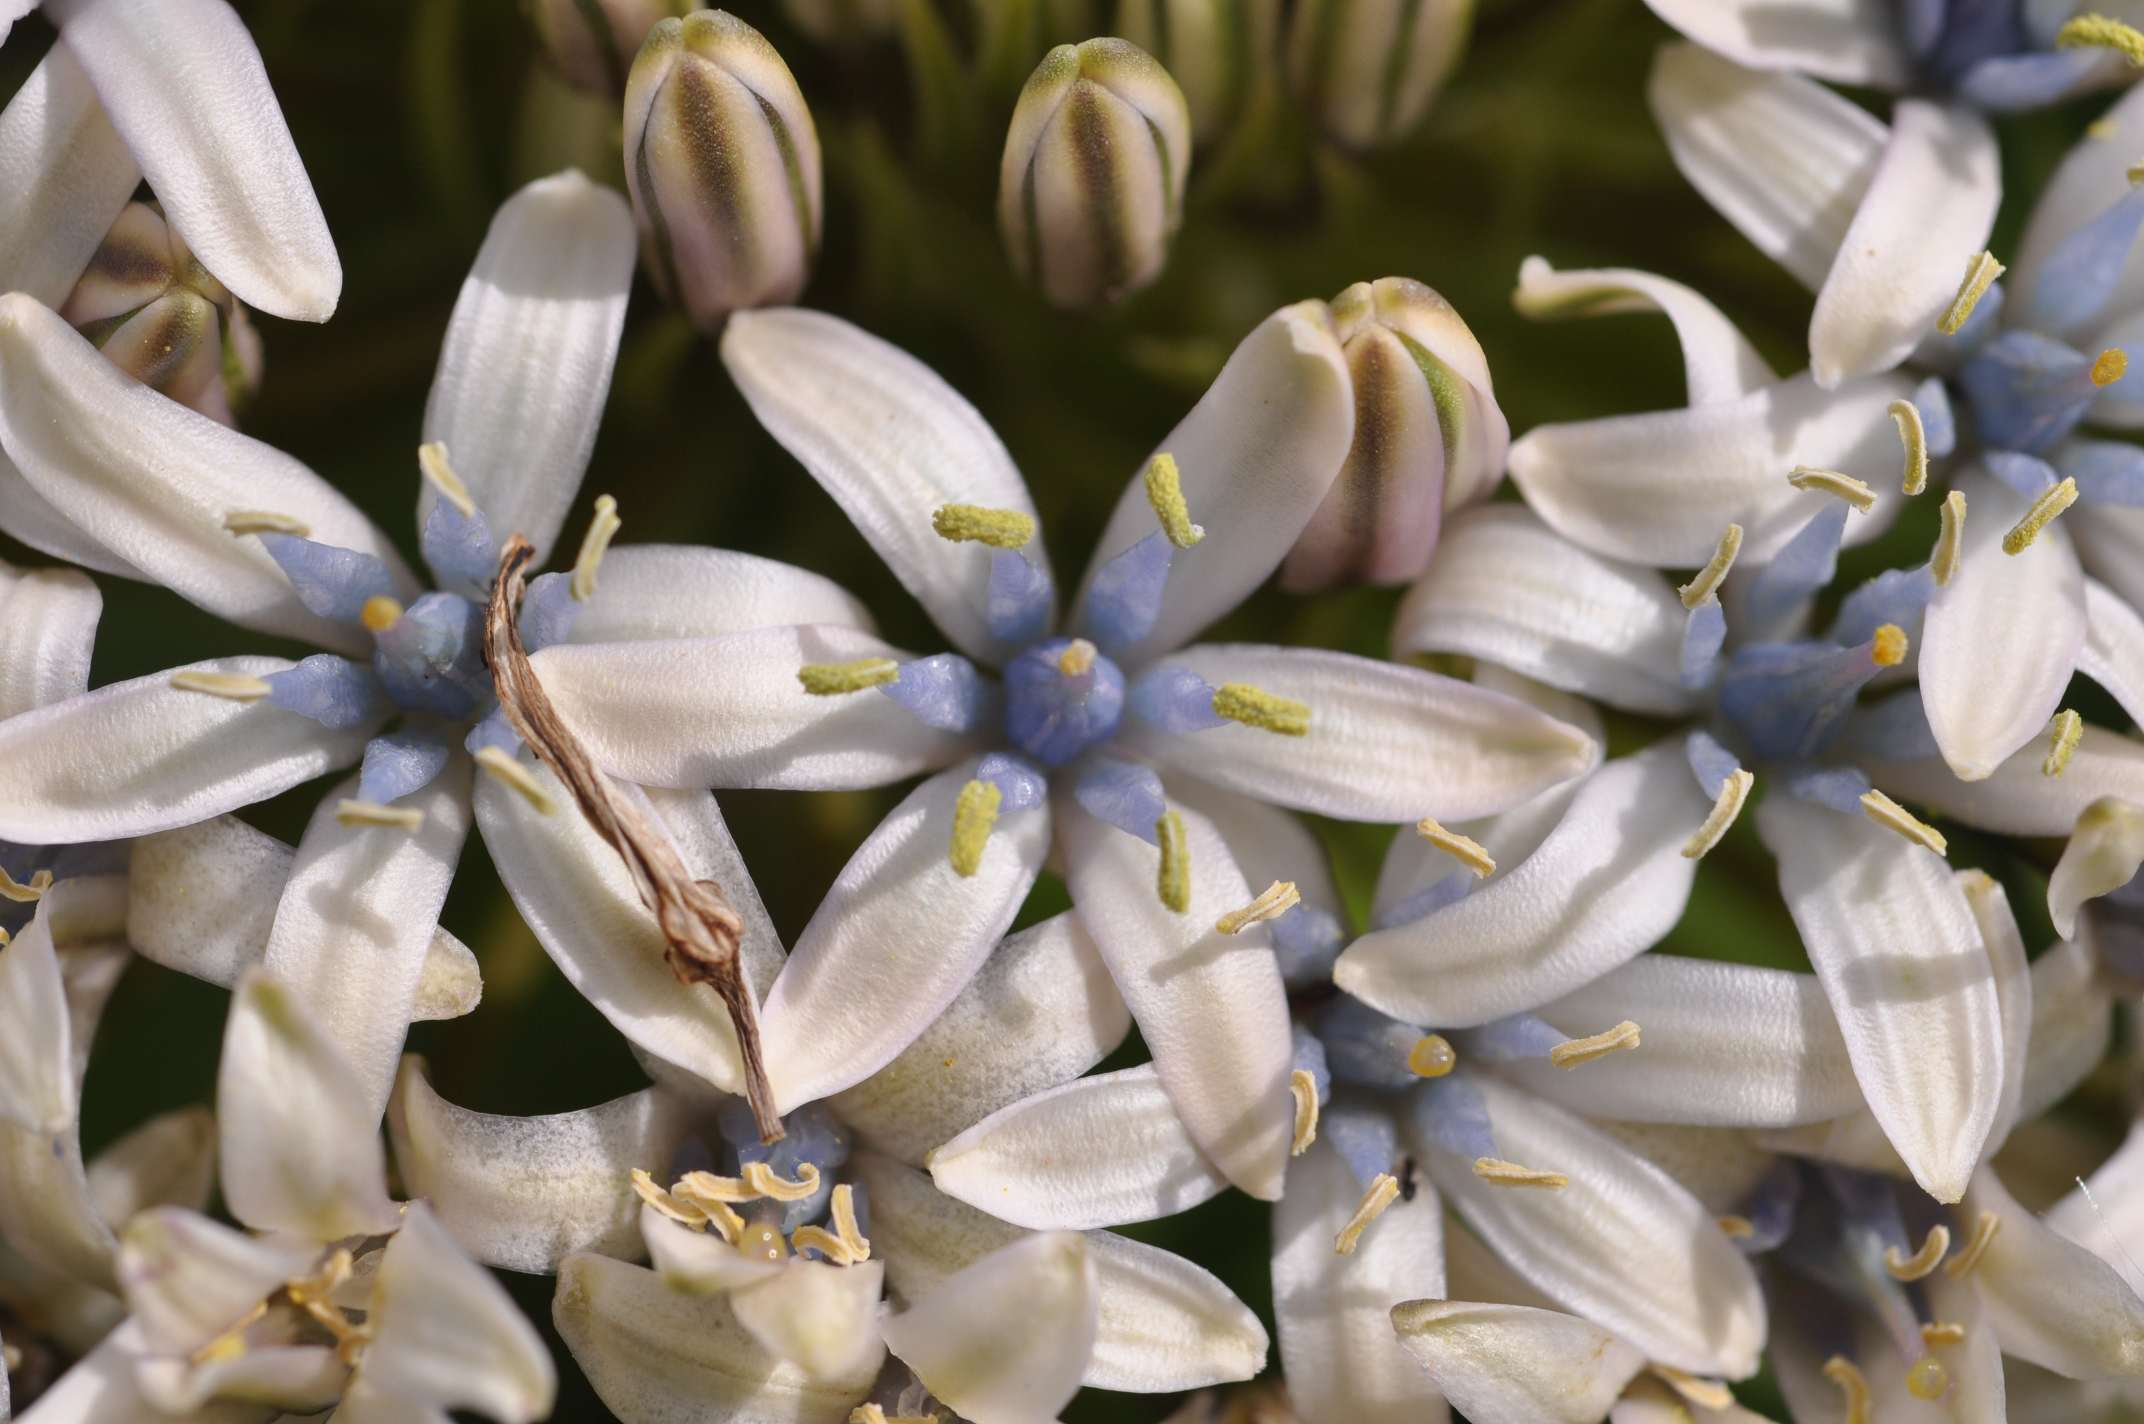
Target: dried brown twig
[(700, 930)]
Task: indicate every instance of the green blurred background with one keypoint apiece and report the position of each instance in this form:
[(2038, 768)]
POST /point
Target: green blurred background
[(416, 118)]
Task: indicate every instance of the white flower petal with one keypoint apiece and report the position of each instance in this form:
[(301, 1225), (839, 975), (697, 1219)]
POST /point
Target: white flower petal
[(699, 1262), (1623, 1244), (37, 1057), (891, 442), (1659, 488), (46, 1213), (657, 1357), (1165, 1324), (1604, 885), (2092, 176), (1978, 1389), (152, 481), (48, 621), (1386, 743), (897, 936), (1413, 864), (446, 1334), (1268, 844), (729, 712), (1729, 1045), (1512, 1364), (28, 516), (1210, 1006), (2107, 1220), (524, 1192), (2018, 798), (655, 592), (2052, 1301), (579, 901), (1039, 1012), (527, 359), (1337, 1350), (1781, 157), (2002, 638), (1005, 1340), (1902, 961), (101, 1389), (1851, 41), (1256, 456), (66, 174), (2072, 1014), (185, 86), (301, 1152), (1927, 211), (357, 918), (187, 1278), (170, 1160), (2113, 651), (1099, 1151), (823, 1317), (1717, 360)]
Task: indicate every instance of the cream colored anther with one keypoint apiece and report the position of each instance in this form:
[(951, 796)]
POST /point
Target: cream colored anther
[(1893, 817), (1914, 437), (1832, 482), (1571, 1053), (601, 530), (1976, 1246), (763, 1179), (24, 894), (1274, 901), (230, 686), (1943, 561), (1734, 791), (350, 812), (432, 463), (500, 764), (1980, 274), (1464, 849), (1911, 1268), (1384, 1189), (682, 1212), (826, 1243), (1499, 1173), (842, 1209), (1304, 1089), (1708, 580), (265, 521), (1853, 1384)]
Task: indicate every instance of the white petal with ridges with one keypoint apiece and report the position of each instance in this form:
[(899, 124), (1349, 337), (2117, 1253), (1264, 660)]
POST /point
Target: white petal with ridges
[(699, 1262), (2019, 798), (66, 174), (2113, 651), (2072, 1013), (1717, 360), (1851, 41), (2050, 1300), (655, 592), (1268, 843), (37, 1074), (1006, 1340), (821, 1316), (188, 1279), (1512, 1364), (48, 621), (2091, 178)]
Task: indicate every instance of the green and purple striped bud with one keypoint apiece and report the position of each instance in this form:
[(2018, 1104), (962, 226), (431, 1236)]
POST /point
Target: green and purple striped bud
[(1092, 186), (1429, 437), (150, 306), (843, 21), (1220, 52), (591, 43), (1368, 69), (722, 161)]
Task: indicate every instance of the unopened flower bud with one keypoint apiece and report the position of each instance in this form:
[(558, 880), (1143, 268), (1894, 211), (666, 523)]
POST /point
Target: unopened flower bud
[(843, 21), (161, 317), (1367, 69), (723, 164), (1429, 437), (1092, 186), (591, 43), (1218, 51)]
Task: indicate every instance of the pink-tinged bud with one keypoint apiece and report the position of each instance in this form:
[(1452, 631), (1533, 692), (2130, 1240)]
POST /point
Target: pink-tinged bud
[(722, 161), (1429, 437), (591, 43), (1220, 52), (1368, 69), (150, 306)]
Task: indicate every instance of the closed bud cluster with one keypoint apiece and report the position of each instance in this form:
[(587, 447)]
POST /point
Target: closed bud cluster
[(1218, 51), (1368, 69), (1092, 186), (722, 161), (1429, 437), (591, 43), (843, 21), (159, 315)]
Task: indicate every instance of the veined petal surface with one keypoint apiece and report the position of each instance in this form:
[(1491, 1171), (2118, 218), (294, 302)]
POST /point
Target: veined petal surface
[(66, 174), (1851, 41), (48, 622), (656, 592)]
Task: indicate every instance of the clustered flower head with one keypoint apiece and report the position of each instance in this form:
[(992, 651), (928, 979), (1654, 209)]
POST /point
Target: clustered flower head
[(1524, 1163)]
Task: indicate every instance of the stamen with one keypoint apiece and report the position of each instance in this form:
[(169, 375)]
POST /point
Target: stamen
[(380, 613), (6, 939), (1708, 579), (1077, 658), (1576, 1051), (1255, 707), (826, 1243), (265, 521), (1499, 1173), (1893, 817), (2109, 366), (1165, 492), (372, 813), (1274, 901), (1466, 851), (231, 686), (702, 1187), (975, 524), (1726, 806), (843, 1209), (1980, 274), (1305, 1089), (1846, 487), (1911, 1268), (432, 464), (1944, 561), (1432, 1056), (601, 530), (764, 1180), (1942, 1332), (2062, 742), (2101, 32), (1890, 646), (1736, 1228), (1907, 416), (975, 813), (498, 762), (1927, 1379), (833, 679), (876, 1414), (231, 1343), (720, 1215), (1976, 1246), (21, 894), (1173, 881), (1384, 1189), (1841, 1372), (2044, 509), (1702, 1392), (682, 1212)]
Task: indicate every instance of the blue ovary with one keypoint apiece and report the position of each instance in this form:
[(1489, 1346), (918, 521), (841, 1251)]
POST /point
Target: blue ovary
[(1053, 715)]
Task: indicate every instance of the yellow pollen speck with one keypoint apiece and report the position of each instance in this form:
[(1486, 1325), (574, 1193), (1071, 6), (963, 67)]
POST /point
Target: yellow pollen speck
[(826, 1243), (1937, 1333), (1737, 1228), (1173, 880), (1980, 274), (1384, 1188), (380, 613), (2109, 366), (1432, 1056), (21, 894), (975, 524), (2062, 741), (1573, 1052), (1842, 1372), (975, 813), (264, 521), (1274, 901), (601, 530), (1889, 646), (1077, 659), (843, 1210), (1943, 563), (432, 464), (1255, 707), (1927, 1379), (232, 687), (1832, 482), (2051, 502), (1914, 437), (2101, 32), (834, 679), (1984, 1229), (1708, 579), (1911, 1268), (1304, 1089), (1734, 791), (1165, 492), (1464, 849), (1499, 1173), (372, 813), (768, 1183), (498, 762), (1893, 817)]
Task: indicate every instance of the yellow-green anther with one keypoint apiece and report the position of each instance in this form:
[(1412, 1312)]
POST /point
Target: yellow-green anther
[(833, 679), (975, 524), (1832, 482), (601, 530), (1980, 274), (2051, 502), (1255, 707), (439, 473), (1943, 562), (975, 814), (2062, 741), (1165, 492), (264, 521), (2102, 32), (1907, 416), (1173, 883)]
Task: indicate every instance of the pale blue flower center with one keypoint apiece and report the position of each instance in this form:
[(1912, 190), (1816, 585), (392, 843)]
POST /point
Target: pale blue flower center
[(1058, 703)]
